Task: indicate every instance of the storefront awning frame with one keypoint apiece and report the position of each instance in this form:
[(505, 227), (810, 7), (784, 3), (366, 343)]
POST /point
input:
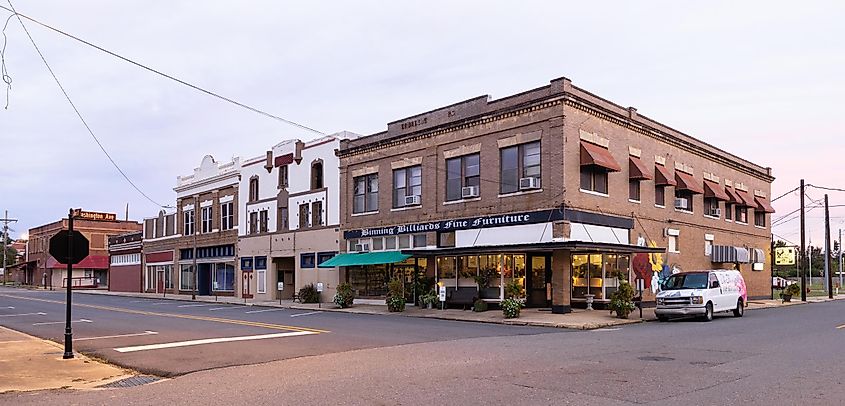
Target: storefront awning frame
[(364, 258), (580, 246)]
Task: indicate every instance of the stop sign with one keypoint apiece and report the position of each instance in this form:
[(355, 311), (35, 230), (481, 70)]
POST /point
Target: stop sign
[(59, 247)]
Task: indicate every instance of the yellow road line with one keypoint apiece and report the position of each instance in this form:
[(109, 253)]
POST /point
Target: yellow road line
[(180, 316)]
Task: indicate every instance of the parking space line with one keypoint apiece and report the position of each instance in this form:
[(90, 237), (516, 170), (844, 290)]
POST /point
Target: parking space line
[(62, 322), (262, 311), (23, 314), (211, 341), (304, 314), (146, 333)]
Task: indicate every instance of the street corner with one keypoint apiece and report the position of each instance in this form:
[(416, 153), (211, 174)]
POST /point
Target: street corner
[(28, 363)]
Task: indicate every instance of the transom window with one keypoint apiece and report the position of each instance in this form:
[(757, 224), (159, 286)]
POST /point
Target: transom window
[(519, 162), (407, 182), (365, 197), (462, 172)]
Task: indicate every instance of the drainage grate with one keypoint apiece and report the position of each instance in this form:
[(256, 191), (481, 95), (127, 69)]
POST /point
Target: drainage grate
[(655, 358), (137, 380)]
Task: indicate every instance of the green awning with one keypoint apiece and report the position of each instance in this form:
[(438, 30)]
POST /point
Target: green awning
[(364, 258)]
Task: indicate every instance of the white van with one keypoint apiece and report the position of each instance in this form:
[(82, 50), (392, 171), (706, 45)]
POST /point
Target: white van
[(702, 293)]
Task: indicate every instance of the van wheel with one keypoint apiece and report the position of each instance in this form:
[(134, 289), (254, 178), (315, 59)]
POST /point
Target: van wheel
[(740, 309), (708, 312)]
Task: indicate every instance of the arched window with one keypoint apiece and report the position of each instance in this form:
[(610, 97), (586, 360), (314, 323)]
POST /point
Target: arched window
[(253, 189), (317, 174)]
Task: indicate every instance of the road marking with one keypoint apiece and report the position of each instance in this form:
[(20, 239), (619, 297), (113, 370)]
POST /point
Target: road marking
[(9, 307), (146, 333), (140, 301), (608, 329), (262, 311), (841, 327), (61, 322), (23, 314), (214, 309), (304, 314), (161, 303), (174, 315), (194, 305), (211, 341)]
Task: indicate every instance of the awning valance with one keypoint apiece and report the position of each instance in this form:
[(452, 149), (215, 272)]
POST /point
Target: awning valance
[(732, 196), (747, 200), (364, 258), (90, 262), (662, 177), (713, 189), (592, 154), (687, 182), (763, 204), (637, 169), (725, 254)]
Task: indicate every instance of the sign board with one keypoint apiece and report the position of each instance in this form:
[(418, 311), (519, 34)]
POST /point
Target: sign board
[(640, 285), (442, 294), (280, 286), (785, 256), (59, 247), (319, 286), (93, 215)]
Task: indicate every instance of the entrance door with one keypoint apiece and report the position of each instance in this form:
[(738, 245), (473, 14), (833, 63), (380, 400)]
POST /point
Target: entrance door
[(246, 285), (159, 281), (539, 276), (204, 279)]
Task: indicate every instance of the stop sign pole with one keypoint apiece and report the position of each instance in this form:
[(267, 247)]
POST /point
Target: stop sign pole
[(68, 329)]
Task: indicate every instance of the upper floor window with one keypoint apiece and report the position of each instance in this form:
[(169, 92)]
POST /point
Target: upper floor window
[(206, 219), (283, 219), (365, 197), (227, 216), (253, 189), (729, 208), (683, 200), (407, 186), (317, 214), (594, 178), (253, 222), (520, 167), (283, 177), (463, 177), (262, 221), (304, 213), (317, 174), (660, 196), (188, 225), (741, 214), (634, 190), (711, 207), (759, 218)]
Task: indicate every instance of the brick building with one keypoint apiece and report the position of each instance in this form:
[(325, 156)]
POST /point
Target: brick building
[(93, 271), (125, 262), (554, 188)]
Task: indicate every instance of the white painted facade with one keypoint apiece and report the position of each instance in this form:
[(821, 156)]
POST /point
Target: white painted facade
[(210, 175)]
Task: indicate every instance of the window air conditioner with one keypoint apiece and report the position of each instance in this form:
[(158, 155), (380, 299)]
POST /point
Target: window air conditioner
[(717, 213), (681, 202), (529, 183), (412, 200), (469, 191), (362, 247)]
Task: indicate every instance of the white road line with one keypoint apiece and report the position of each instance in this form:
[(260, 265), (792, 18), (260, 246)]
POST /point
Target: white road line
[(265, 310), (161, 303), (23, 314), (61, 322), (608, 329), (194, 305), (146, 333), (211, 341), (9, 307), (304, 314), (223, 308), (139, 301)]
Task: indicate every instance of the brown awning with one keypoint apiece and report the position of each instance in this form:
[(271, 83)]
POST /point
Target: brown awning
[(713, 189), (763, 203), (688, 183), (662, 177), (637, 169), (746, 199), (595, 155), (732, 196)]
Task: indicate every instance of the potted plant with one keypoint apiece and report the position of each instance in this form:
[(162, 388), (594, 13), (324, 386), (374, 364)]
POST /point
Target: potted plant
[(485, 275), (429, 299), (513, 303), (395, 296), (791, 290), (309, 294), (622, 300), (344, 296), (479, 306)]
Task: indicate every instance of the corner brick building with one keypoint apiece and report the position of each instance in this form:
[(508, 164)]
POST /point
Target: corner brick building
[(554, 188)]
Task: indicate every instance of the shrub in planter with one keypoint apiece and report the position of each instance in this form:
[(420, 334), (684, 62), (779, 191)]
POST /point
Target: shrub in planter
[(622, 300), (344, 296), (395, 296), (790, 291), (309, 294), (479, 306), (511, 308), (429, 299)]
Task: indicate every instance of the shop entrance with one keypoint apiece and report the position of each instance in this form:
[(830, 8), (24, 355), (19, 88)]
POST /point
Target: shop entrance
[(285, 272), (204, 279), (539, 279)]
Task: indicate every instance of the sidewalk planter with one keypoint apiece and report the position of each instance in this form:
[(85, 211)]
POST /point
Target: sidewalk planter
[(309, 294), (395, 298), (511, 308), (479, 306), (789, 292), (621, 301), (344, 296)]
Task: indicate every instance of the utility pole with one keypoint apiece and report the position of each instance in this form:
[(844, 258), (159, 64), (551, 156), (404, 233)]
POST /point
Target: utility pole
[(840, 258), (803, 249), (827, 249), (6, 220)]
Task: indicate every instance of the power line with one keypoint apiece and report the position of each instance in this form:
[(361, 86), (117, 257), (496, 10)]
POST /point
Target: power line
[(78, 114), (826, 188), (157, 72), (785, 194)]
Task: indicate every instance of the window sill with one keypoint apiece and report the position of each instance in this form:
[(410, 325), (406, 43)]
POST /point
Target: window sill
[(634, 201), (366, 213), (729, 220), (683, 211), (760, 227), (660, 206), (674, 252), (741, 223), (474, 199), (414, 207), (591, 192), (520, 193), (711, 217)]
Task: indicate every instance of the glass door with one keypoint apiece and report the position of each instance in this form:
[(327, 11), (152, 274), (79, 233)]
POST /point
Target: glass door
[(539, 275)]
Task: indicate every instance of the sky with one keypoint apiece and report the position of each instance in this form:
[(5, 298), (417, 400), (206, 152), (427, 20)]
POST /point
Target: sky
[(760, 79)]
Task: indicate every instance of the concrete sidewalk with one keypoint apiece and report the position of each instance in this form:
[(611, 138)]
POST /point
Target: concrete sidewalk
[(577, 319), (28, 363)]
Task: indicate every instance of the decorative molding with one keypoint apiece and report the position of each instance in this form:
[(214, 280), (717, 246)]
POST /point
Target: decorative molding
[(227, 198), (206, 203), (364, 171), (740, 186), (462, 150), (406, 162), (660, 160), (759, 193), (711, 177), (683, 167), (729, 183), (520, 139), (594, 138), (635, 152)]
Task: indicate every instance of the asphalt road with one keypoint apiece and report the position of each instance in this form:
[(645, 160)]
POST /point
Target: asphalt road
[(769, 357)]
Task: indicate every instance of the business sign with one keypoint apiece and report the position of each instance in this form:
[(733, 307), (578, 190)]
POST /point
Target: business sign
[(785, 256), (93, 215), (319, 286), (280, 286)]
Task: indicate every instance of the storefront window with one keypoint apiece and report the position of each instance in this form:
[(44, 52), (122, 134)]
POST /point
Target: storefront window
[(446, 270), (368, 280), (223, 277), (598, 274), (186, 277)]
